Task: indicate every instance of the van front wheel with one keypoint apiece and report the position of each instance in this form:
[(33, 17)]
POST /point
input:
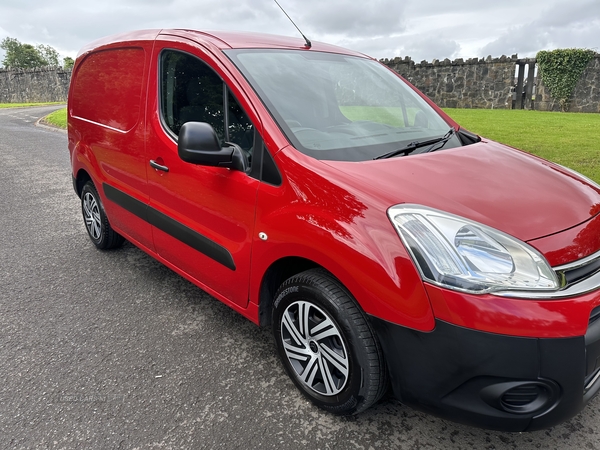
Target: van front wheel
[(326, 344), (96, 222)]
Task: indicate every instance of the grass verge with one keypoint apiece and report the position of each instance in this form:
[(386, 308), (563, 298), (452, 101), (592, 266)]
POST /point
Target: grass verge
[(570, 139), (58, 118), (26, 105)]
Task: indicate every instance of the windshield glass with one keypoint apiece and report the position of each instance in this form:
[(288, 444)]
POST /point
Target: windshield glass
[(338, 107)]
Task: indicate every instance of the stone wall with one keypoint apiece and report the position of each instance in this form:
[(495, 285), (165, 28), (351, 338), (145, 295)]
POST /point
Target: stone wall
[(487, 83), (38, 85), (474, 83), (585, 98)]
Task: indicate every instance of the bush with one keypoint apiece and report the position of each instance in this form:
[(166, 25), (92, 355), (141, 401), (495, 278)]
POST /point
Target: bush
[(561, 69)]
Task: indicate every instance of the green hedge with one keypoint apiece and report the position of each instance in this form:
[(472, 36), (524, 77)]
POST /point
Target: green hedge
[(561, 69)]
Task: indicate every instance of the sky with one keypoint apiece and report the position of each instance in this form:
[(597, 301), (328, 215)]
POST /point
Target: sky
[(421, 29)]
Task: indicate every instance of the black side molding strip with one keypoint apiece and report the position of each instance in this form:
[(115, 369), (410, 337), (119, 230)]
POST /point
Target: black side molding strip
[(131, 204), (171, 227)]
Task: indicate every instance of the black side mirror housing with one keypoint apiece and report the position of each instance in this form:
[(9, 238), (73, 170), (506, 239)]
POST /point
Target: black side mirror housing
[(198, 144)]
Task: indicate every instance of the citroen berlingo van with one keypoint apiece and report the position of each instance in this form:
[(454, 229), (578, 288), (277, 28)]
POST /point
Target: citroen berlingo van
[(315, 191)]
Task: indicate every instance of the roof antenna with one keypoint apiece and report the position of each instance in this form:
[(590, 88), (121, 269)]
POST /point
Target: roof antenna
[(308, 43)]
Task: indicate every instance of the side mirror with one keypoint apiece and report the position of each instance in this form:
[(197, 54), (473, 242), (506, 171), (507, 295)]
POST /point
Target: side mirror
[(198, 144)]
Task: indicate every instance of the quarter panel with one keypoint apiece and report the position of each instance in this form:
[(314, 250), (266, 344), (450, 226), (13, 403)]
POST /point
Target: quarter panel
[(106, 127)]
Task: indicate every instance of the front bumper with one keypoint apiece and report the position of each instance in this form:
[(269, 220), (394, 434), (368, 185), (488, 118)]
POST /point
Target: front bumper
[(491, 380)]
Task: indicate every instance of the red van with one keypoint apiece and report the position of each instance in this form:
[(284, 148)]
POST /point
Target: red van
[(315, 191)]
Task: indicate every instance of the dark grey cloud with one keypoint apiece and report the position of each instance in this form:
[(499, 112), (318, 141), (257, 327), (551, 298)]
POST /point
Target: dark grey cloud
[(569, 24), (570, 14)]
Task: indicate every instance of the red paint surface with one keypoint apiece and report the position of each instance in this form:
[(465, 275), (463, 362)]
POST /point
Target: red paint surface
[(534, 318), (334, 213), (488, 182)]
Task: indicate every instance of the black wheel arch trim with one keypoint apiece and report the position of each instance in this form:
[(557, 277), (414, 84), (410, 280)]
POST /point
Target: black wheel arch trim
[(170, 226)]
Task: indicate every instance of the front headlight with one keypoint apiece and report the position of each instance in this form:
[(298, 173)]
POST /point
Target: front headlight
[(463, 255)]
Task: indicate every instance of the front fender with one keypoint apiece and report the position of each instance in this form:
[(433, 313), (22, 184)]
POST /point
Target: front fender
[(313, 218)]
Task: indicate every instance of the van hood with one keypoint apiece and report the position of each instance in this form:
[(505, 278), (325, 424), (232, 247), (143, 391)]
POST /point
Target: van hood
[(493, 184)]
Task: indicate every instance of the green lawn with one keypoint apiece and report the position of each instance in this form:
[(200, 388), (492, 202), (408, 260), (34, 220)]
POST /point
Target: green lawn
[(570, 139), (57, 118), (25, 105)]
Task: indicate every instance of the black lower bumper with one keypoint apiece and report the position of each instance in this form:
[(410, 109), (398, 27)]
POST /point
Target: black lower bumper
[(488, 380)]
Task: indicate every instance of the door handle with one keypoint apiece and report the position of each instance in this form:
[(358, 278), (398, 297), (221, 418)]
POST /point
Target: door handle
[(158, 166)]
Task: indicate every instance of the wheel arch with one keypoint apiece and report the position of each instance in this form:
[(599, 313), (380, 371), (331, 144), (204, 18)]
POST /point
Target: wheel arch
[(279, 271), (395, 293), (80, 180)]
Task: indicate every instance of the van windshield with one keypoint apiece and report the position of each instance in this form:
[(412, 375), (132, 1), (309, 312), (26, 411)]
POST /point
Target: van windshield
[(339, 107)]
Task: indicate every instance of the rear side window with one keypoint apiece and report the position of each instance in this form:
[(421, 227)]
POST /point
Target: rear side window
[(108, 88)]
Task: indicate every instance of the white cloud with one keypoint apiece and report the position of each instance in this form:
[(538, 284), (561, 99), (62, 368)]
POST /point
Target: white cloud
[(354, 19), (428, 47)]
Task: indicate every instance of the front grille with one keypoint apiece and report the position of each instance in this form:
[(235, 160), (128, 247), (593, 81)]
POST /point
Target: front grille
[(580, 273), (594, 315), (579, 270)]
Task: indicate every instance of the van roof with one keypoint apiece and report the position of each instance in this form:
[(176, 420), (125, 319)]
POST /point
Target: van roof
[(220, 39)]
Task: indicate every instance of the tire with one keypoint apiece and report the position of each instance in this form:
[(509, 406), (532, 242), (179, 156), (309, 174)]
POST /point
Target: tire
[(96, 222), (332, 355)]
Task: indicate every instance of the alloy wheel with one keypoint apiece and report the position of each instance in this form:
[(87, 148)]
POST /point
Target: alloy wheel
[(314, 347), (91, 214)]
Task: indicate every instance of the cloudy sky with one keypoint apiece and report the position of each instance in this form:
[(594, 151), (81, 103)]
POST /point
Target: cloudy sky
[(422, 29)]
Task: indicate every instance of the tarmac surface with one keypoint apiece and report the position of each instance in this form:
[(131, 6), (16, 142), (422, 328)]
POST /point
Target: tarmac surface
[(112, 350)]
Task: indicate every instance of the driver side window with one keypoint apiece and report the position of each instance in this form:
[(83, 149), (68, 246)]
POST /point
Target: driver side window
[(192, 92)]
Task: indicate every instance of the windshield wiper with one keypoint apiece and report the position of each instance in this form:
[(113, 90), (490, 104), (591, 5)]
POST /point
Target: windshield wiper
[(413, 146)]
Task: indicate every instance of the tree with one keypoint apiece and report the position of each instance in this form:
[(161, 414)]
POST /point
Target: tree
[(20, 55), (68, 62), (26, 56), (49, 55)]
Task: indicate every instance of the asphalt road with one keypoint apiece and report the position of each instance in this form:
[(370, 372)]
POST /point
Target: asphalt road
[(111, 350)]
